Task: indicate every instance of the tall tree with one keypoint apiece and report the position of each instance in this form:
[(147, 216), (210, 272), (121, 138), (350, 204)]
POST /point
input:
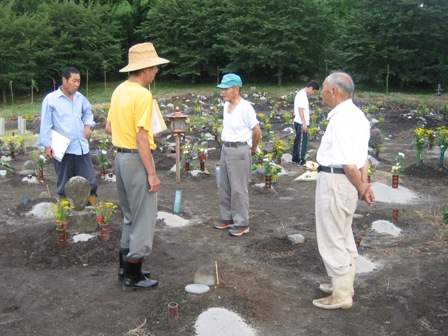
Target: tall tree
[(410, 37), (23, 48)]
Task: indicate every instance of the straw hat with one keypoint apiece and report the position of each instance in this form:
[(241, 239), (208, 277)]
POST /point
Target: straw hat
[(143, 56)]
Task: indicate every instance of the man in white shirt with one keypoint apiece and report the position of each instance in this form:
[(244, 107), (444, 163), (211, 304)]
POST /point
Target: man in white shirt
[(342, 180), (302, 120), (240, 137)]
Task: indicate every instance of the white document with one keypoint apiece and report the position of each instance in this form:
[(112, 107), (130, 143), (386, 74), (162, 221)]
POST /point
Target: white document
[(59, 143)]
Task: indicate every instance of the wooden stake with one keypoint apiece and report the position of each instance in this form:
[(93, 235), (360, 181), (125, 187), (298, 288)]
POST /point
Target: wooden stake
[(48, 189), (216, 269)]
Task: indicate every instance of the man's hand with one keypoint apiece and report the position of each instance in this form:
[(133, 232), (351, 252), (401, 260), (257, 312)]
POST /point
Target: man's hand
[(87, 131), (154, 183), (369, 196), (49, 152)]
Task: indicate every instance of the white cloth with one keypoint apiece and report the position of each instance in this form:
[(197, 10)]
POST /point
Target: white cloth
[(346, 138), (238, 125), (301, 100)]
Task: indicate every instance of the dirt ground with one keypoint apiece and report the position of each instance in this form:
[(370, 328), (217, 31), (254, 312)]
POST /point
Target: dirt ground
[(270, 283)]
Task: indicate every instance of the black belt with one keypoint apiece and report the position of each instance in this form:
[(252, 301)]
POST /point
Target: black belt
[(126, 150), (234, 144), (330, 170)]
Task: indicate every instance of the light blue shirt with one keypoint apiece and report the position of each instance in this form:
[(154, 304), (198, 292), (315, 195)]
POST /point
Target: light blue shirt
[(67, 117)]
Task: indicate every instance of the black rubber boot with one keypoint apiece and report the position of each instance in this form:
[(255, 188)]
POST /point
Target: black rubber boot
[(120, 273), (133, 277)]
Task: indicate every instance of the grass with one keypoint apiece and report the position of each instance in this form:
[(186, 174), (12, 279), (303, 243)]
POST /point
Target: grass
[(97, 93)]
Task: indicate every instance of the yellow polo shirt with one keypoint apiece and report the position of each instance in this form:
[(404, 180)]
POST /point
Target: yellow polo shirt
[(131, 109)]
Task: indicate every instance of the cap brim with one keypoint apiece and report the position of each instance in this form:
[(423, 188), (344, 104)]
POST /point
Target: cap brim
[(224, 86), (144, 64)]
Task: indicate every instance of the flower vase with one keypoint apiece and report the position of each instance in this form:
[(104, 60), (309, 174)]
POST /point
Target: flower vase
[(216, 137), (418, 158), (61, 237), (268, 181), (395, 215), (260, 161), (13, 155), (202, 165), (102, 173), (377, 154), (104, 232), (41, 175), (395, 181), (187, 166), (430, 146), (442, 158), (279, 160)]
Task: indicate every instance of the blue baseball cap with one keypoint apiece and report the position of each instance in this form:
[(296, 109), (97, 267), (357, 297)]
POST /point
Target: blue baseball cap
[(230, 80)]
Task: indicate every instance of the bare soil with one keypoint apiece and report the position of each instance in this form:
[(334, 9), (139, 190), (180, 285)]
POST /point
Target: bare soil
[(48, 290)]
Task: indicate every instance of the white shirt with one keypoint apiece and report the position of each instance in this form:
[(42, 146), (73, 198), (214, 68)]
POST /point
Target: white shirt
[(301, 100), (238, 125), (346, 138)]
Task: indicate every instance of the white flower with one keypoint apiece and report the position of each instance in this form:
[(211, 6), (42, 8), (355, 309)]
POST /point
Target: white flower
[(104, 152), (43, 158), (401, 154)]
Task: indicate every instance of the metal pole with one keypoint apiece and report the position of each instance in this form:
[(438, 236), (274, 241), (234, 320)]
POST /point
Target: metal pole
[(177, 157)]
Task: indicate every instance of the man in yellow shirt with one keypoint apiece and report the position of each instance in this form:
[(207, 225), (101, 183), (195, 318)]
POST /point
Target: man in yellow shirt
[(130, 122)]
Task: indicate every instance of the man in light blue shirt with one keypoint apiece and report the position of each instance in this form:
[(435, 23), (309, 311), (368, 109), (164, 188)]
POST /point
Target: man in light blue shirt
[(68, 112)]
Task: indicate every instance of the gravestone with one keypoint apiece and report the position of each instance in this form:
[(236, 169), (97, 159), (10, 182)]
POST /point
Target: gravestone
[(77, 190), (83, 219)]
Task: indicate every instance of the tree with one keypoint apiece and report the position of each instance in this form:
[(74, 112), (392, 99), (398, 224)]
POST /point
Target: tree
[(409, 36)]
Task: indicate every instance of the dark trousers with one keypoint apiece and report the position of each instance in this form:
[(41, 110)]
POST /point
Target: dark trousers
[(300, 143), (75, 165)]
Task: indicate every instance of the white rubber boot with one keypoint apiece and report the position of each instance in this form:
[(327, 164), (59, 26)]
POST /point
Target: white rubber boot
[(341, 297), (328, 287)]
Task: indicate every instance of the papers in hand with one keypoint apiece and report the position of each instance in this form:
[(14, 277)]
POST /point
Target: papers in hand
[(59, 143), (158, 124)]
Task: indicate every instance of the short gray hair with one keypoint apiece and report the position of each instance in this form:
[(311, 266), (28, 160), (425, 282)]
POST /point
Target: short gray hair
[(342, 80)]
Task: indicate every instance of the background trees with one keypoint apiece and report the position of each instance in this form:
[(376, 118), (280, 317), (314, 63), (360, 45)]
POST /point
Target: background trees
[(404, 41)]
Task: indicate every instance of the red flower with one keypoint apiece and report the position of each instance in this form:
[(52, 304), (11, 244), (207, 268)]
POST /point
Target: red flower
[(202, 157), (99, 219)]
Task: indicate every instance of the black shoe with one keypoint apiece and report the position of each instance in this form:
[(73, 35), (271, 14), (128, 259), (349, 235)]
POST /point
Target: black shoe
[(133, 278), (130, 285), (120, 273)]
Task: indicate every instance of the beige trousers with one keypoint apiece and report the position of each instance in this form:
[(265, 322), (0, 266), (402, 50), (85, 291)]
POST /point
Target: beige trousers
[(336, 200)]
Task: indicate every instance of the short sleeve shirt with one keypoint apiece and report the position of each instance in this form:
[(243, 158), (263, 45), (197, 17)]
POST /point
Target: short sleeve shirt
[(346, 138), (301, 100), (238, 125)]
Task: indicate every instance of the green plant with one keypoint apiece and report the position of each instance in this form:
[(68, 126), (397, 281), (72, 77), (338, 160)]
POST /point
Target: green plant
[(13, 144), (445, 215), (59, 212), (376, 139), (398, 167), (38, 159), (280, 147), (104, 211)]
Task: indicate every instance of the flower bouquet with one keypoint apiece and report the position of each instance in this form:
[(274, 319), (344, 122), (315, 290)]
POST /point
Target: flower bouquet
[(103, 212), (39, 159), (419, 143), (59, 212), (442, 142)]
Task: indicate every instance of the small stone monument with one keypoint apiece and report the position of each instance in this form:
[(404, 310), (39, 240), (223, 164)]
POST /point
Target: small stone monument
[(77, 190)]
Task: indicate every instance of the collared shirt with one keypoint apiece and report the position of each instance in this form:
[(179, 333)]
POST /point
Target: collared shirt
[(131, 109), (68, 117), (301, 100), (238, 125), (346, 139)]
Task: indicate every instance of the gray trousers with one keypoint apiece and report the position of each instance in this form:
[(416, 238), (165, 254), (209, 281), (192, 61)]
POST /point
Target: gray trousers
[(234, 174), (138, 205)]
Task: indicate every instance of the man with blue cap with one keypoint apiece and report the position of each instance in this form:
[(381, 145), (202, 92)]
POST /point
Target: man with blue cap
[(240, 137)]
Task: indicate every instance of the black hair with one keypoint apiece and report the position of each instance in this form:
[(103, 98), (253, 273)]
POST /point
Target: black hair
[(68, 71)]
